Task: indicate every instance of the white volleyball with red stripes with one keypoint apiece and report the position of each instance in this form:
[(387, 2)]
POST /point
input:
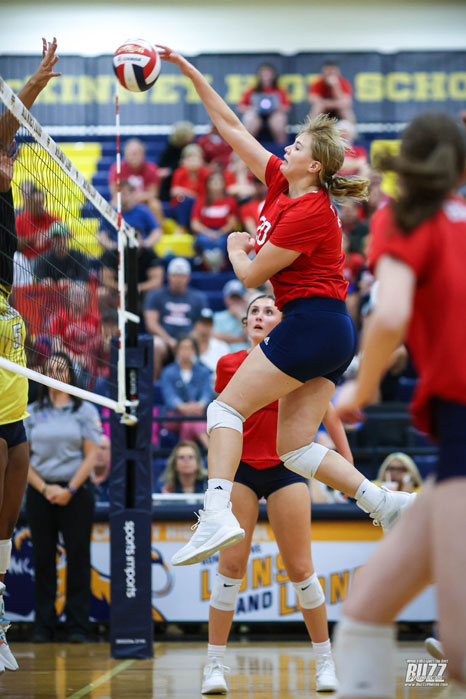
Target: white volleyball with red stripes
[(137, 65)]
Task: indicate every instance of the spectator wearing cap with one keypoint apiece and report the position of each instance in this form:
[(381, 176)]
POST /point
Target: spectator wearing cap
[(61, 265), (171, 311), (135, 214), (210, 348), (33, 223), (228, 324)]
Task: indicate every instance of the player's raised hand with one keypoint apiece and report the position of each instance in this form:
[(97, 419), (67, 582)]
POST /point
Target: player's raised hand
[(167, 54), (240, 240), (45, 70)]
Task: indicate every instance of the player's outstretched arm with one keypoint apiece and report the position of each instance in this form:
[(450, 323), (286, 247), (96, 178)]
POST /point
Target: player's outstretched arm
[(31, 90), (229, 126)]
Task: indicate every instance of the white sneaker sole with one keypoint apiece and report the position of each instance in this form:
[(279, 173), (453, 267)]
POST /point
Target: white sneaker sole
[(434, 648), (216, 689), (217, 543)]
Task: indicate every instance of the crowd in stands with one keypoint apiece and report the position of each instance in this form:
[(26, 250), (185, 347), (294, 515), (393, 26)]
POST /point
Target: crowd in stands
[(201, 189)]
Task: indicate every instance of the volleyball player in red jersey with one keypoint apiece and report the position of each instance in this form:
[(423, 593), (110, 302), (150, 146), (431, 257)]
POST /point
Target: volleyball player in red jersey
[(299, 248), (261, 474), (419, 249)]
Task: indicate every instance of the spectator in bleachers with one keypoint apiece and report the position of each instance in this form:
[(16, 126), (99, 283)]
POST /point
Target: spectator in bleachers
[(141, 173), (99, 346), (188, 182), (398, 471), (187, 390), (210, 348), (239, 180), (171, 311), (355, 162), (228, 324), (33, 223), (250, 210), (182, 134), (61, 264), (135, 214), (354, 227), (73, 328), (185, 471), (354, 263), (215, 149), (150, 276), (100, 476), (265, 106), (331, 94), (213, 217)]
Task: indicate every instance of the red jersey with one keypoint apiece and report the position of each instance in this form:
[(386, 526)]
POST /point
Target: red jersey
[(32, 233), (310, 225), (194, 181), (216, 214), (76, 333), (260, 429), (247, 98), (436, 252), (321, 88), (140, 179)]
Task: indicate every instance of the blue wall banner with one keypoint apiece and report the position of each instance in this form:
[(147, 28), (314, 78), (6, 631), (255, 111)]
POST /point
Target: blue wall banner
[(388, 88)]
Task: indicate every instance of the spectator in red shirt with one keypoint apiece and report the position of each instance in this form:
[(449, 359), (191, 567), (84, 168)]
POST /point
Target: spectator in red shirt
[(216, 150), (213, 217), (265, 105), (33, 223), (250, 211), (355, 162), (142, 174), (331, 94), (188, 182)]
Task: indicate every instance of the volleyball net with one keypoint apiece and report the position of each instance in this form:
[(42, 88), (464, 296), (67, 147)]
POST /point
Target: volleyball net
[(55, 275)]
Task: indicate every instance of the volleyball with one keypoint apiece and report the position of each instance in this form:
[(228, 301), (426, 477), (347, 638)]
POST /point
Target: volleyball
[(137, 65)]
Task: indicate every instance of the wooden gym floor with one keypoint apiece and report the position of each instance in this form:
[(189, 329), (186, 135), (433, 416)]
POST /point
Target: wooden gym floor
[(271, 670)]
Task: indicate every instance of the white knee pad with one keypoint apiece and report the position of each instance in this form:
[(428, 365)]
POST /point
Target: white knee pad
[(224, 593), (5, 555), (309, 592), (222, 415), (305, 460)]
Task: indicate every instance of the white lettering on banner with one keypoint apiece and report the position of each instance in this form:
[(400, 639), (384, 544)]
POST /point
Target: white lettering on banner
[(262, 230), (130, 563)]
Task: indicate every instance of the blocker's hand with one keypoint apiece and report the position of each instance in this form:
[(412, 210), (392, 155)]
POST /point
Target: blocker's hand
[(45, 70), (240, 241), (347, 405), (7, 159)]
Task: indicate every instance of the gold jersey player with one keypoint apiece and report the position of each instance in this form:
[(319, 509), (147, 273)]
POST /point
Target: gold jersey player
[(14, 450)]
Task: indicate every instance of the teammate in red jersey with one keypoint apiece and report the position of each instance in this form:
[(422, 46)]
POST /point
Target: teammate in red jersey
[(261, 474), (299, 248), (419, 250)]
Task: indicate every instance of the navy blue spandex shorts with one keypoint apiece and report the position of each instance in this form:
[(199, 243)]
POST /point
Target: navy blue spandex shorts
[(316, 337), (450, 429), (265, 481), (13, 433)]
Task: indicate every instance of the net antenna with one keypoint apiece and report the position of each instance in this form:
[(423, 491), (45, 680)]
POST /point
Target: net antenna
[(43, 167)]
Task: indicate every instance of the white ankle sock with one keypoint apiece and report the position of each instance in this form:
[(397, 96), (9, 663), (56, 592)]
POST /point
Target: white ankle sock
[(215, 652), (219, 484), (369, 496), (323, 648), (365, 659)]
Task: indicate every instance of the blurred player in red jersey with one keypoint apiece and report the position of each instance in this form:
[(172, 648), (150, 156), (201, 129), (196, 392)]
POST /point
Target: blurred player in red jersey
[(419, 249), (299, 248), (261, 474)]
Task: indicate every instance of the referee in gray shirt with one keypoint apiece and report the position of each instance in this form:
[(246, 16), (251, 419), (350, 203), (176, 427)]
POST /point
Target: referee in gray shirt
[(64, 434)]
